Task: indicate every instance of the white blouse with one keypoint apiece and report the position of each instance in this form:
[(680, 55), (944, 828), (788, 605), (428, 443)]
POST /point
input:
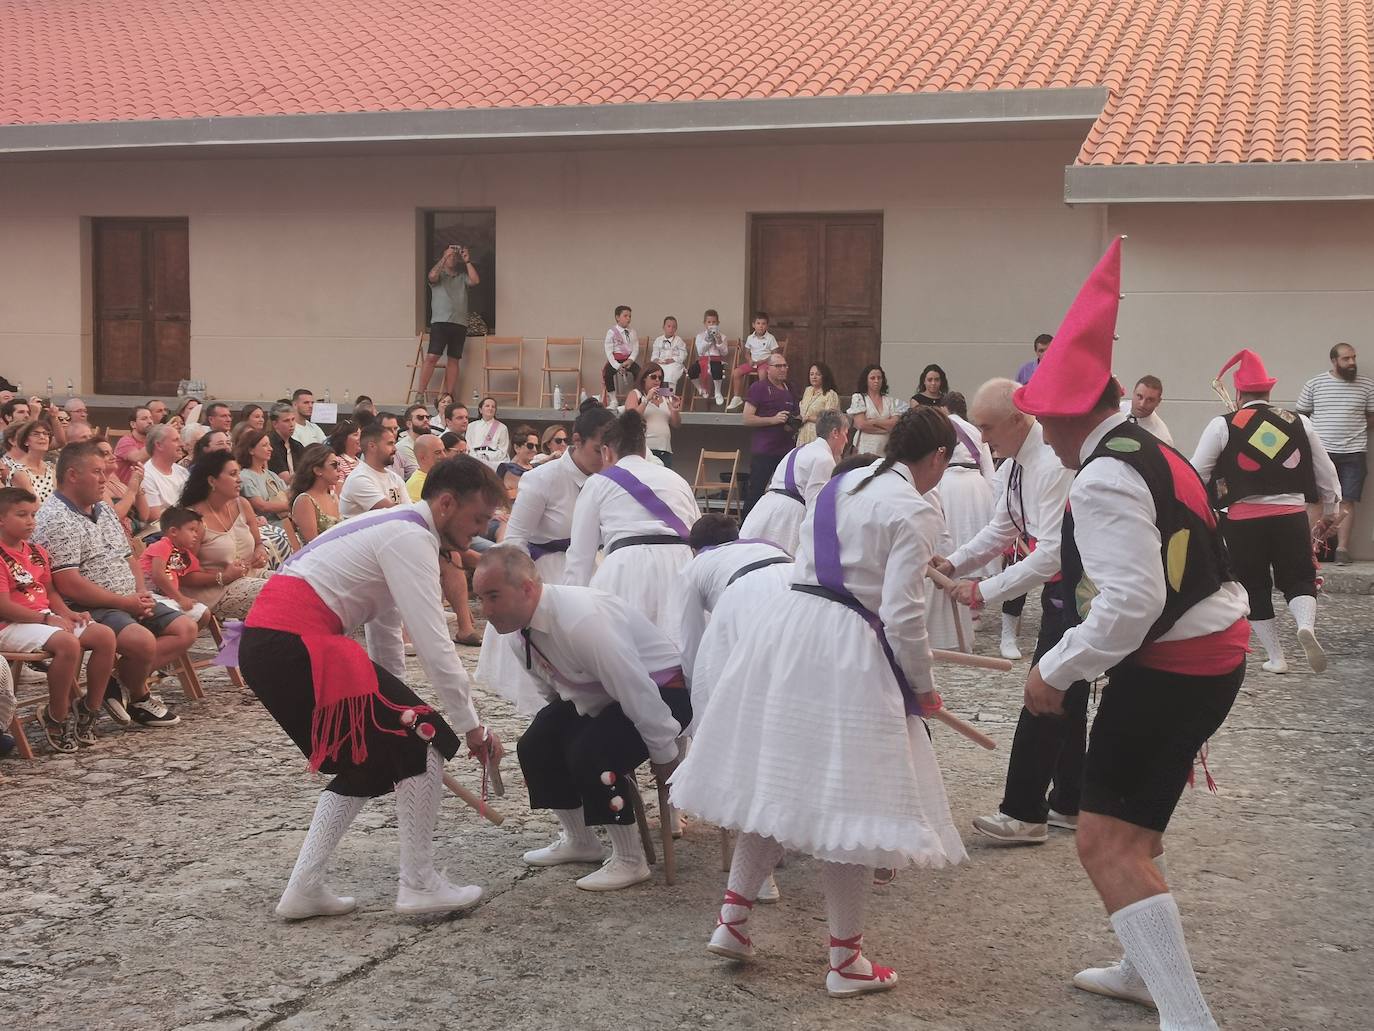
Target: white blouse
[(862, 404)]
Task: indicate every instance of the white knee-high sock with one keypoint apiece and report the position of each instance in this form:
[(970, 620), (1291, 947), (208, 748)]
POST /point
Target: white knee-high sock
[(417, 811), (846, 901), (1009, 627), (1304, 609), (1152, 934), (625, 843), (333, 814), (575, 827), (754, 859), (1128, 969), (1268, 635)]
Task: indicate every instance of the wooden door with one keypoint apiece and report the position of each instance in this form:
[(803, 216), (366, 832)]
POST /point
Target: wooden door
[(819, 277), (142, 305)]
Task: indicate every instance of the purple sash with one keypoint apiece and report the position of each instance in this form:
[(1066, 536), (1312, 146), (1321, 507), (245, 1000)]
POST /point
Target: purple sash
[(967, 441), (538, 551), (830, 572), (789, 476), (641, 492), (491, 433)]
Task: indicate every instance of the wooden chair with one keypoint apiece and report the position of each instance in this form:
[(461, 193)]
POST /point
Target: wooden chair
[(418, 390), (497, 357), (703, 488), (23, 698), (567, 366), (217, 635), (185, 675), (665, 831)]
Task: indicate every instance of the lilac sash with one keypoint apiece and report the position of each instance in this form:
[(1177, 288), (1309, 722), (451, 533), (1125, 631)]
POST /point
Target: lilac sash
[(789, 476), (967, 441), (491, 433), (623, 340), (830, 572), (538, 551), (641, 492)]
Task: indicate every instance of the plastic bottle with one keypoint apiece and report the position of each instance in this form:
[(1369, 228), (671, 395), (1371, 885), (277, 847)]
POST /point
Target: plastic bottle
[(327, 397), (49, 393), (346, 400), (558, 398)]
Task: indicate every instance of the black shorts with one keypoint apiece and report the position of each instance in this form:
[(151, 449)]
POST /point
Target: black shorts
[(447, 338), (1149, 727)]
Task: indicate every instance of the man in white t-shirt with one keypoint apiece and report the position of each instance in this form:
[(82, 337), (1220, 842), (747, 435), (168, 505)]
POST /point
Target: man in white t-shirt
[(162, 477), (760, 345), (1143, 406), (373, 485), (306, 431)]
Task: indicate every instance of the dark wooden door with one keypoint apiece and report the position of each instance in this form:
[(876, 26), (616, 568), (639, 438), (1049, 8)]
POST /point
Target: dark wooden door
[(819, 277), (142, 305)]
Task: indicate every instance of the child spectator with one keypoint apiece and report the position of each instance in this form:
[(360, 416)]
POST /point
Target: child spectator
[(670, 352), (711, 350), (167, 560), (760, 344), (622, 346), (34, 618)]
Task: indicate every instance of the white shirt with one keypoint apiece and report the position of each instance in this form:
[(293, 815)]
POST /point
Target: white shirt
[(669, 351), (308, 433), (886, 531), (1114, 528), (575, 659), (163, 489), (498, 450), (704, 580), (384, 578), (983, 459), (1152, 423), (405, 451), (867, 441), (760, 347), (624, 340), (1040, 495), (606, 513), (543, 510), (1213, 442), (815, 463), (707, 349), (365, 487)]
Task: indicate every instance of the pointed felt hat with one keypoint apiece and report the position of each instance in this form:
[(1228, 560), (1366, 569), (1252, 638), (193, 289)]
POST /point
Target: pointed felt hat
[(1250, 376), (1075, 370)]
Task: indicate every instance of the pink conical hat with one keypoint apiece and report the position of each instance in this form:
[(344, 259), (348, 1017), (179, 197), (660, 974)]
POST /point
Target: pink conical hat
[(1075, 370), (1250, 376)]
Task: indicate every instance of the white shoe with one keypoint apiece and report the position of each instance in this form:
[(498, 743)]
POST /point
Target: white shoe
[(1068, 823), (1114, 983), (1279, 665), (719, 400), (563, 851), (1009, 649), (735, 402), (1001, 827), (769, 893), (858, 976), (724, 943), (440, 897), (616, 873), (1316, 658), (303, 903)]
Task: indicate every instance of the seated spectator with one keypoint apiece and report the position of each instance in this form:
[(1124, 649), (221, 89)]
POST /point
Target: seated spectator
[(509, 474), (218, 416), (454, 444), (189, 412), (79, 432), (456, 418), (15, 410), (307, 432), (759, 346), (158, 410), (264, 490), (131, 450), (163, 479), (94, 570), (286, 449), (621, 346), (364, 404), (76, 410), (233, 558), (428, 450), (661, 408), (251, 416), (552, 443), (314, 504), (526, 447), (28, 455), (400, 465), (670, 352), (488, 438), (34, 618), (173, 556), (125, 499), (416, 426), (373, 484), (212, 440), (344, 443)]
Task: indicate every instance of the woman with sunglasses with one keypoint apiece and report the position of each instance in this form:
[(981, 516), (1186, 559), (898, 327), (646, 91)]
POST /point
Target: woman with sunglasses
[(661, 408), (526, 447), (552, 443), (314, 504)]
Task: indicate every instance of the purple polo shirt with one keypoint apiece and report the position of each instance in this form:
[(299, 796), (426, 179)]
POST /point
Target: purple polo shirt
[(1026, 371), (770, 400)]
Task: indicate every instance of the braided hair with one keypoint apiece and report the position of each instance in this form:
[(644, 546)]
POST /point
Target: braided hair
[(921, 430)]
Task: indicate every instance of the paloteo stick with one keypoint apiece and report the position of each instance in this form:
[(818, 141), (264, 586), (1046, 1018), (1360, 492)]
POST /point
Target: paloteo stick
[(472, 800)]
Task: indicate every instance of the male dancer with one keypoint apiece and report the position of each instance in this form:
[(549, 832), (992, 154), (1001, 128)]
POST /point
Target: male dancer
[(1153, 607), (1261, 463), (346, 709)]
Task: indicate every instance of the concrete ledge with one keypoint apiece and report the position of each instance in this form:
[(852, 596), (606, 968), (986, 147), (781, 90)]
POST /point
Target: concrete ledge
[(1356, 578), (1251, 181)]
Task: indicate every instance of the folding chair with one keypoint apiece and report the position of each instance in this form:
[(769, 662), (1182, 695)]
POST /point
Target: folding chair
[(691, 394), (567, 366), (498, 357), (704, 489), (23, 699), (217, 635), (665, 831), (185, 675), (416, 390)]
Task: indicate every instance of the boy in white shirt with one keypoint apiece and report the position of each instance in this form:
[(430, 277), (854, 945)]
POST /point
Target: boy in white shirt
[(711, 350), (670, 351), (761, 345), (622, 345)]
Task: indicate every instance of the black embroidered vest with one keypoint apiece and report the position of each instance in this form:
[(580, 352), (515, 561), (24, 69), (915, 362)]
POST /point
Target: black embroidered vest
[(1267, 452)]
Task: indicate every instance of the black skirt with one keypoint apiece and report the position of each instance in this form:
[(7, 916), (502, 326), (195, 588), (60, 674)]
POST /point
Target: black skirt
[(276, 667)]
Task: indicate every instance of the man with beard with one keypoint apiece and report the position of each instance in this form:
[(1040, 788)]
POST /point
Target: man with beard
[(1341, 404)]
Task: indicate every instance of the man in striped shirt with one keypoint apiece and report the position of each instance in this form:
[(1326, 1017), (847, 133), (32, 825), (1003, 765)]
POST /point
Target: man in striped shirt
[(1341, 404)]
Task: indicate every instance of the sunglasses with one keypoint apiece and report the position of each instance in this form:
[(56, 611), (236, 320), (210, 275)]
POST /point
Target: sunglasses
[(527, 443), (560, 440)]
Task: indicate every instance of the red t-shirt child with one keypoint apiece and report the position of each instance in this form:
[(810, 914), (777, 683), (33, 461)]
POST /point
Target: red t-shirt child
[(26, 575), (176, 561)]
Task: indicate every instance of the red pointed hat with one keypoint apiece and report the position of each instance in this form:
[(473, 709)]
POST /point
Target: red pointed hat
[(1075, 370), (1250, 376)]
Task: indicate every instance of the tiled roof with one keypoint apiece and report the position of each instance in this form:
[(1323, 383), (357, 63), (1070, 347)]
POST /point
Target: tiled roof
[(1189, 80)]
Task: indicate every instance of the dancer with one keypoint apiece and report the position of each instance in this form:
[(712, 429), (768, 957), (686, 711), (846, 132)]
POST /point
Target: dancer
[(640, 513), (799, 477), (791, 755), (540, 524), (1154, 608), (348, 710), (1260, 464), (1037, 488), (614, 699)]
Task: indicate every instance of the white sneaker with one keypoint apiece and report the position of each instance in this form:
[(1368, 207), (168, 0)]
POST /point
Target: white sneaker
[(616, 873), (564, 851), (735, 402), (1068, 823), (298, 903), (769, 893), (1009, 649), (1115, 983), (440, 897), (724, 943), (1001, 827), (719, 400), (1279, 665), (1316, 658)]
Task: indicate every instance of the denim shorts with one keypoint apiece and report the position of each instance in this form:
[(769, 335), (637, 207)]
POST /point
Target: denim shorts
[(118, 619), (1350, 470)]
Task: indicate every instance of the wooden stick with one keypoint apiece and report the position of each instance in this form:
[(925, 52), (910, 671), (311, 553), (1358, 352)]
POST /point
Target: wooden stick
[(968, 730), (979, 661), (665, 826), (472, 800), (941, 581), (959, 626)]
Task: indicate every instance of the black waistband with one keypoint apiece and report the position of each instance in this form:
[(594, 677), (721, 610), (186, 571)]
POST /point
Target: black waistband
[(760, 564), (787, 494), (963, 465), (822, 592), (653, 538)]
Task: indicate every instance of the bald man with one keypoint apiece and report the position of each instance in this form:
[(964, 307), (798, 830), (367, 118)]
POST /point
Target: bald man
[(428, 450)]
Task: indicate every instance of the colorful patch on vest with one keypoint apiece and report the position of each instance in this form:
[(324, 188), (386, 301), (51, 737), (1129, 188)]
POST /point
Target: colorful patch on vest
[(1242, 418), (1176, 558), (1268, 439), (1188, 488), (1123, 445), (1293, 461), (1083, 596), (1285, 415), (1247, 463)]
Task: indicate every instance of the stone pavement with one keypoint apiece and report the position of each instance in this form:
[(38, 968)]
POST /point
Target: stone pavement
[(139, 879)]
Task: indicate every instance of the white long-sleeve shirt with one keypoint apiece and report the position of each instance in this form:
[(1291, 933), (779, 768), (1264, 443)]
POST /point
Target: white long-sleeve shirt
[(606, 512), (886, 530), (1213, 441), (1152, 423), (708, 349), (494, 453), (575, 658), (815, 463), (382, 578), (543, 510), (704, 580), (1114, 529), (624, 340), (669, 351), (1033, 503)]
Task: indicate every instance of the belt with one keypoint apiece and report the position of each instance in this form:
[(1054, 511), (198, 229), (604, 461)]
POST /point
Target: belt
[(787, 494), (652, 538), (746, 570), (962, 465), (538, 551)]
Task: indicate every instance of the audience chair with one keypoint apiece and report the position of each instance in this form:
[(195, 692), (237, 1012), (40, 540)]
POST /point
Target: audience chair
[(503, 355), (217, 635), (704, 489), (569, 364), (24, 697), (185, 674), (416, 391), (665, 832)]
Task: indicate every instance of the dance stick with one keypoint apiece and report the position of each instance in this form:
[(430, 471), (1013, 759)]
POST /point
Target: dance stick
[(945, 583), (665, 824), (472, 800), (941, 581), (956, 724), (978, 661), (958, 625)]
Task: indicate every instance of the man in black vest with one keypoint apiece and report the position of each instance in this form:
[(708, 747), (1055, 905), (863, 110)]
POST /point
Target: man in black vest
[(1263, 465)]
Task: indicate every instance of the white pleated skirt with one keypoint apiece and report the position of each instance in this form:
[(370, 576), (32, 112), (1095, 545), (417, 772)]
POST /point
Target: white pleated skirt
[(776, 518), (499, 665), (940, 620), (645, 576), (805, 740), (967, 500)]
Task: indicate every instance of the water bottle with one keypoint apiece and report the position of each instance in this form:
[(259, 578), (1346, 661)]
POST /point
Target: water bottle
[(71, 390), (346, 400), (582, 400), (327, 398), (476, 401), (558, 398), (49, 393)]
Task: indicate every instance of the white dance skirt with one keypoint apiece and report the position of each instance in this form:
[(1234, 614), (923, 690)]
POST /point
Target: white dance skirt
[(776, 518), (645, 576), (499, 665), (967, 500), (806, 741), (736, 610), (940, 616)]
